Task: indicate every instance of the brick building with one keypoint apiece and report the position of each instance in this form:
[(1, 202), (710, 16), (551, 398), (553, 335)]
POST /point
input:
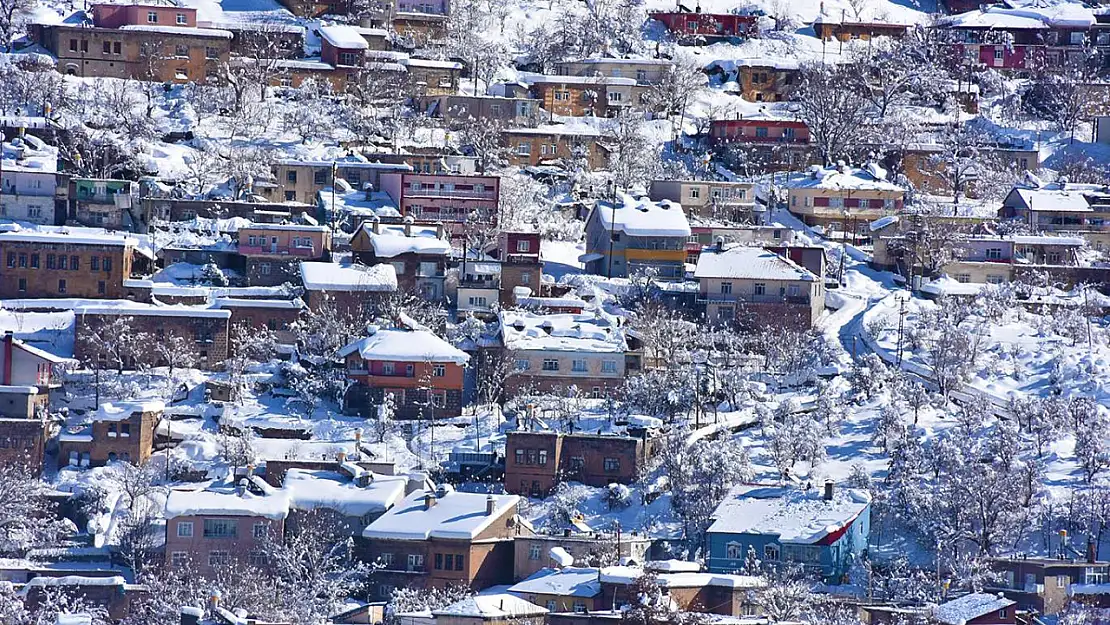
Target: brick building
[(762, 144), (144, 41), (300, 180), (121, 431), (422, 372), (521, 263), (533, 554), (555, 144), (23, 440), (70, 262), (273, 252), (755, 287), (699, 28), (204, 329), (537, 462), (418, 254), (349, 287), (441, 537), (275, 315), (207, 530), (1046, 585)]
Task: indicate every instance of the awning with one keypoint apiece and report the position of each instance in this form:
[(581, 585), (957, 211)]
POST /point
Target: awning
[(585, 258)]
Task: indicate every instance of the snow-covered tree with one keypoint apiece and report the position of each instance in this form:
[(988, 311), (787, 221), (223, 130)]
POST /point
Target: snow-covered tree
[(632, 156), (832, 109), (28, 520)]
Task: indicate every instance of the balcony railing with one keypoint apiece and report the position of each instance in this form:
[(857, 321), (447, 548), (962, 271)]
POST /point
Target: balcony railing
[(752, 298), (451, 193), (280, 250), (757, 139)]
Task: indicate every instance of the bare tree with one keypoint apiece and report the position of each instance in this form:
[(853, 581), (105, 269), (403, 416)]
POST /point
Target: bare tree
[(832, 109), (14, 15)]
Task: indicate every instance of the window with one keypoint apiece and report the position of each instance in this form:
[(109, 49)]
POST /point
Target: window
[(220, 528), (386, 559), (562, 96), (734, 551), (531, 455), (458, 562), (615, 96), (439, 370), (771, 552), (291, 176), (523, 245), (523, 364), (258, 559), (641, 75), (963, 277), (290, 196), (415, 562), (519, 456), (726, 288), (179, 559), (526, 277), (534, 552), (218, 558), (185, 529), (107, 264), (260, 530), (117, 48), (579, 607), (74, 263), (125, 430), (73, 45), (385, 591), (550, 364), (320, 176), (349, 58), (152, 17), (11, 259), (608, 366), (1061, 581), (22, 261), (107, 47), (180, 50), (387, 368), (999, 54), (543, 457), (995, 279), (793, 291), (578, 366), (524, 149), (61, 286), (695, 193), (761, 132), (181, 19), (612, 464), (550, 605), (23, 285), (439, 561), (181, 74), (94, 263), (264, 269), (439, 400), (760, 288), (84, 45)]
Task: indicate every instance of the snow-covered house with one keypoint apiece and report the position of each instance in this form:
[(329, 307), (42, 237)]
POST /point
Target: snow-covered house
[(209, 529), (698, 28), (1048, 585), (422, 372), (822, 530), (272, 251), (630, 236), (357, 495), (590, 351), (1022, 35), (762, 143), (301, 179), (753, 286), (567, 549), (121, 431), (725, 200), (438, 537), (537, 462), (417, 252), (463, 203), (844, 199), (686, 586), (1061, 207), (28, 179), (346, 286), (567, 589), (112, 593), (491, 609), (976, 609), (204, 330), (998, 259)]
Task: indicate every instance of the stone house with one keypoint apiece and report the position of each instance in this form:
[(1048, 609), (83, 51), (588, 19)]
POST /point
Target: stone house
[(521, 264), (144, 41), (29, 187), (715, 199), (297, 180), (533, 554), (579, 96), (70, 263), (205, 330), (555, 144), (459, 110), (1047, 585), (422, 372), (348, 287), (121, 431), (22, 439), (537, 462), (435, 538), (275, 315), (762, 144)]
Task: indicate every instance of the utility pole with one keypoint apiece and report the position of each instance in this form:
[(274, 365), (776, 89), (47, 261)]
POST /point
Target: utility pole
[(901, 326)]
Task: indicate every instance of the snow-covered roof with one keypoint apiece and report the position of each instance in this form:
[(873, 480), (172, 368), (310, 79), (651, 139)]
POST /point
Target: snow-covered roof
[(579, 80), (565, 582), (309, 490), (963, 610), (996, 18), (121, 410), (399, 345), (344, 36), (285, 227), (66, 236), (225, 501), (233, 302), (870, 178), (432, 63), (1033, 239), (791, 514), (391, 240), (752, 263), (179, 31), (629, 574), (555, 130), (343, 162), (28, 155), (1027, 14), (494, 606), (453, 515), (141, 310), (592, 332), (1054, 198), (348, 277), (643, 217)]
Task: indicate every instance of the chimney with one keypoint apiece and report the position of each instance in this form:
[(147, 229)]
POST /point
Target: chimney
[(242, 488), (408, 226), (376, 225), (1092, 551), (828, 490), (429, 501), (358, 440), (439, 230), (341, 456), (720, 244), (9, 340), (489, 505), (214, 601)]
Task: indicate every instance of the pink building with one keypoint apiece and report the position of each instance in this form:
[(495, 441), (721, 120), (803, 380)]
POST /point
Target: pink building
[(209, 530), (117, 15), (757, 131), (273, 252), (454, 200)]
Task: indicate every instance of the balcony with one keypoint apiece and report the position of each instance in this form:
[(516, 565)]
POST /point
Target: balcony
[(752, 298), (758, 139), (298, 251), (458, 194)]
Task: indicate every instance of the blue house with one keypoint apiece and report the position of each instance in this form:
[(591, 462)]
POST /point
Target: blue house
[(820, 530)]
